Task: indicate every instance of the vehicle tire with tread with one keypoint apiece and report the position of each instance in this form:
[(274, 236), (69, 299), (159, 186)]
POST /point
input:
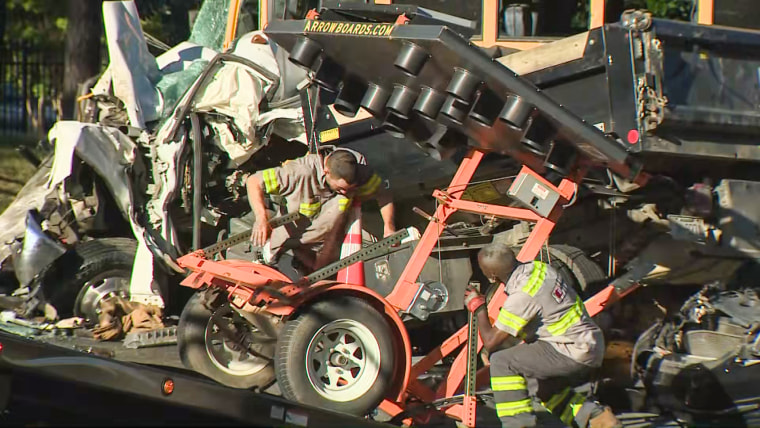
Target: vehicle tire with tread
[(205, 348), (92, 271), (336, 354), (575, 267)]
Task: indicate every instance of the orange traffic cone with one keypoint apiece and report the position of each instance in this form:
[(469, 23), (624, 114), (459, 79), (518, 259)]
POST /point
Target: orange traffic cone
[(353, 274)]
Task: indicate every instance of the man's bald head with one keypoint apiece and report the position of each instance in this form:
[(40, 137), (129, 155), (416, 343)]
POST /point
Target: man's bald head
[(497, 261)]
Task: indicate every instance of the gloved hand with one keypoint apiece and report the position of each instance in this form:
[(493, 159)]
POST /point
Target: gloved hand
[(473, 300)]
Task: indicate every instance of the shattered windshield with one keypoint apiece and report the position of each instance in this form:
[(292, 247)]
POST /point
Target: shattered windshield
[(209, 27), (211, 22)]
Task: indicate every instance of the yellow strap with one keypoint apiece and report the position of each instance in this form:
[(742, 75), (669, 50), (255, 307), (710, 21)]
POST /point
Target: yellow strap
[(557, 399), (343, 204), (370, 186), (568, 319), (508, 383), (537, 277), (513, 408), (271, 185), (572, 408), (511, 320)]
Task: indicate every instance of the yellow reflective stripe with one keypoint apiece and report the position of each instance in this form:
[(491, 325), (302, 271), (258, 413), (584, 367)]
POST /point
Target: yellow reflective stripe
[(568, 319), (343, 204), (511, 320), (557, 399), (370, 186), (513, 408), (508, 383), (572, 408), (513, 378), (309, 210), (536, 278), (271, 185)]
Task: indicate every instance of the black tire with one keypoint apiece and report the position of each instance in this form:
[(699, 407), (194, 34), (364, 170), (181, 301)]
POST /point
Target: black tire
[(91, 271), (196, 335), (575, 267), (349, 319)]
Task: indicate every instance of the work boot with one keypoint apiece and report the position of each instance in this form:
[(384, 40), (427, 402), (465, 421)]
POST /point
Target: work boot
[(606, 419)]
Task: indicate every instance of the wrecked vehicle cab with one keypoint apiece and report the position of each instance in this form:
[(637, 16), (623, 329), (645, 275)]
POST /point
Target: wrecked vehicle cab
[(155, 163)]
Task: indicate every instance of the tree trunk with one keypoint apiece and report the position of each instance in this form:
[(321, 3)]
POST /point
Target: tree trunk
[(82, 59), (3, 18)]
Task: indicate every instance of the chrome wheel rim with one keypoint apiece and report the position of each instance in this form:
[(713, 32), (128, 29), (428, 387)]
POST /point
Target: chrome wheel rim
[(343, 360)]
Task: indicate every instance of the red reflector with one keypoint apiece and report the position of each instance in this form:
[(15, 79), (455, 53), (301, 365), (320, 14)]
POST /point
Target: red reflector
[(633, 136), (167, 387), (1, 347)]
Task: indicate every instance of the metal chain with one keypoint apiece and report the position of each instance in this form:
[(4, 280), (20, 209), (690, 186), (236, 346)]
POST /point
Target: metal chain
[(312, 111), (438, 245), (650, 106), (491, 180)]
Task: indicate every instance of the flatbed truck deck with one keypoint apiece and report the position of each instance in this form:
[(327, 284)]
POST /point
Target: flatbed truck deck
[(45, 383)]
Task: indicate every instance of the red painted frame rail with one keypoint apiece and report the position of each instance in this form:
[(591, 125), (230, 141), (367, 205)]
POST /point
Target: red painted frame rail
[(403, 293), (264, 284)]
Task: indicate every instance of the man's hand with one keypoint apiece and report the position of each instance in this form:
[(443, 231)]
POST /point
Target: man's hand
[(260, 232), (473, 300), (388, 231)]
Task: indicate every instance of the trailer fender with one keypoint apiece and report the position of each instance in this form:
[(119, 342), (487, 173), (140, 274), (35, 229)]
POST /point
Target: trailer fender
[(403, 348)]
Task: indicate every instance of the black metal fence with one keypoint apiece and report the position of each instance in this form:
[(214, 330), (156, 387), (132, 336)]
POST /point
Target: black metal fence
[(31, 80)]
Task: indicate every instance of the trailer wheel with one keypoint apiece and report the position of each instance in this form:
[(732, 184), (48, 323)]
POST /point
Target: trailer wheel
[(214, 346), (337, 354), (94, 270)]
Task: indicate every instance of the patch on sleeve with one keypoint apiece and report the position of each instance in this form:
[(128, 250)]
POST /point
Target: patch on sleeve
[(559, 291)]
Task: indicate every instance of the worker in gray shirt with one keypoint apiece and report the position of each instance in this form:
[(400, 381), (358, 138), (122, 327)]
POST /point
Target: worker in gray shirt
[(543, 343), (321, 187)]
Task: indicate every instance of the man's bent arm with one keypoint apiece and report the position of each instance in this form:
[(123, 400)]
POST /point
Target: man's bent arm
[(387, 211), (492, 336), (261, 229)]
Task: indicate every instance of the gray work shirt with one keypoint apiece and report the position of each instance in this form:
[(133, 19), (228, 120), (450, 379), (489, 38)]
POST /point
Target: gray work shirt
[(301, 183), (541, 305)]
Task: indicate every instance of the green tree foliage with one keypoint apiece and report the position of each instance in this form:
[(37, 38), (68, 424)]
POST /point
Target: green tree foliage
[(44, 22), (670, 9), (38, 22), (40, 39)]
